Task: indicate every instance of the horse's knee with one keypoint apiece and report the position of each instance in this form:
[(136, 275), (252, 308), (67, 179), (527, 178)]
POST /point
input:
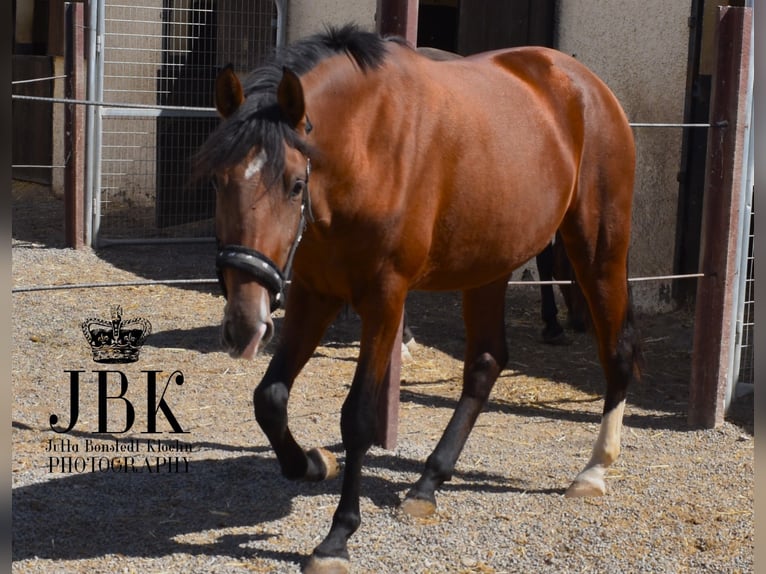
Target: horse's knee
[(270, 404), (482, 374), (358, 421)]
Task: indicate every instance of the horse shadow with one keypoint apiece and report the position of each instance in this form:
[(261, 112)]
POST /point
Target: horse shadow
[(144, 515), (203, 340)]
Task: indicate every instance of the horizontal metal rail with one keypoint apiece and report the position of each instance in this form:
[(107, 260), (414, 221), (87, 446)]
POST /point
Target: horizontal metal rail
[(630, 279), (17, 166), (37, 80), (181, 109), (113, 284), (530, 283), (672, 125)]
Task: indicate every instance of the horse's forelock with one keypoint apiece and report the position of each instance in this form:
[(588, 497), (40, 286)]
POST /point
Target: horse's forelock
[(258, 122)]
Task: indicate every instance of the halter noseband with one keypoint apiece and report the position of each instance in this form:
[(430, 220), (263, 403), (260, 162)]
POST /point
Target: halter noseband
[(262, 268)]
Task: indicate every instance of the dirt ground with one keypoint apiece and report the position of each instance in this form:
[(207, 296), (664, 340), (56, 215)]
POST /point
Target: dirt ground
[(679, 499)]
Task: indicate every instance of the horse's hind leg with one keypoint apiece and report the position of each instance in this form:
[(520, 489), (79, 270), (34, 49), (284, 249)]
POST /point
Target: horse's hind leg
[(553, 332), (600, 264), (485, 356)]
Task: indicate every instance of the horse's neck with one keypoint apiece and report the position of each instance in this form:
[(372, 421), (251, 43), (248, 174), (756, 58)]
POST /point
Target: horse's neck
[(355, 112), (368, 127)]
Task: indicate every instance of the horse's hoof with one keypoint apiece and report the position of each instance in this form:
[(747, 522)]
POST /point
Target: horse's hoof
[(585, 486), (554, 336), (325, 461), (326, 565), (418, 507)]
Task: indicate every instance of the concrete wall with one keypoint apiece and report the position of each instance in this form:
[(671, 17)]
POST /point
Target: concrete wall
[(306, 18), (25, 14), (640, 49)]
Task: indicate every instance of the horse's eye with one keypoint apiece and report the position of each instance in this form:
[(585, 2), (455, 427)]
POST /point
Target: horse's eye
[(298, 188)]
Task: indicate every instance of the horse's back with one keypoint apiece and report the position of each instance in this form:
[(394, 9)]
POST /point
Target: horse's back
[(528, 123), (547, 78)]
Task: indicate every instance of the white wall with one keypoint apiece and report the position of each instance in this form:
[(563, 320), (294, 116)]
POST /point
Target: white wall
[(641, 49), (309, 17)]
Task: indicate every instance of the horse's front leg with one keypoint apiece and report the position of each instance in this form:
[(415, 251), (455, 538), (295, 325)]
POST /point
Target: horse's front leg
[(307, 316), (380, 315)]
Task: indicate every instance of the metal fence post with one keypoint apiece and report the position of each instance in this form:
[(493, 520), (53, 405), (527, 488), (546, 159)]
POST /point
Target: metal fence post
[(714, 317)]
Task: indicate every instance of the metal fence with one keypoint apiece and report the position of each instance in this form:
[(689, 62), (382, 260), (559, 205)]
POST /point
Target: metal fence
[(743, 375), (152, 65), (162, 56), (746, 368), (742, 379)]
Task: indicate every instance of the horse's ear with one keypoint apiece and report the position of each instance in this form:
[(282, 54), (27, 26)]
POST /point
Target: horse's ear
[(228, 92), (290, 97)]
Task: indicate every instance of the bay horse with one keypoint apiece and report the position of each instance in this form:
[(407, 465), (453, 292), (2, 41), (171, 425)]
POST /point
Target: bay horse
[(372, 170)]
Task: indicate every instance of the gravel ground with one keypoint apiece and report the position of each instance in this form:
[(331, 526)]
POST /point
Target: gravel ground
[(679, 500)]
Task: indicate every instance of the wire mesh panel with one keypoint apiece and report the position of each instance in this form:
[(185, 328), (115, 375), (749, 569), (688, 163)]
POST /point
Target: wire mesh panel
[(746, 366), (163, 53)]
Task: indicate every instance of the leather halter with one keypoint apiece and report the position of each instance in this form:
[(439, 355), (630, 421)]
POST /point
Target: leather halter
[(262, 268)]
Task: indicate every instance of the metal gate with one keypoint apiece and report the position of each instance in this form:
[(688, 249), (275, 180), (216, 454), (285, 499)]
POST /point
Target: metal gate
[(742, 369), (153, 65)]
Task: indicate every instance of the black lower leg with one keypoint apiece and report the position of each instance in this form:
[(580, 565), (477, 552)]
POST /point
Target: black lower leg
[(358, 424), (440, 465), (625, 365), (270, 403), (548, 311), (347, 517)]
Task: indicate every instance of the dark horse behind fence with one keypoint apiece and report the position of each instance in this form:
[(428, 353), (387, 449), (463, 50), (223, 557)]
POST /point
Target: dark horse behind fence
[(401, 172)]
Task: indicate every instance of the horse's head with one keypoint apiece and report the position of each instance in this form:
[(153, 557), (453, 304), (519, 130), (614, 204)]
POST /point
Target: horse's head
[(259, 159), (261, 168)]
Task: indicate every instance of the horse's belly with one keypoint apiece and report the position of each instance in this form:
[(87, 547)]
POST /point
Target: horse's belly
[(472, 263), (486, 235)]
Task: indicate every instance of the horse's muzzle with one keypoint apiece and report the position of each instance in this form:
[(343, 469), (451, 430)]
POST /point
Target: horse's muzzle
[(261, 268), (244, 331)]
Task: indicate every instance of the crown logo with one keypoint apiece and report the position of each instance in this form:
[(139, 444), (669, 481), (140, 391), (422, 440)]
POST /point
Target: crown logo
[(116, 341)]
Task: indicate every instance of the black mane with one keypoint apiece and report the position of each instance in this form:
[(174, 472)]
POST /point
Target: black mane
[(258, 121)]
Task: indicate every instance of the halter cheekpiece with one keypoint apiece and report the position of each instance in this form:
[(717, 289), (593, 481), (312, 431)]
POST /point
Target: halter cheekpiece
[(261, 267)]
